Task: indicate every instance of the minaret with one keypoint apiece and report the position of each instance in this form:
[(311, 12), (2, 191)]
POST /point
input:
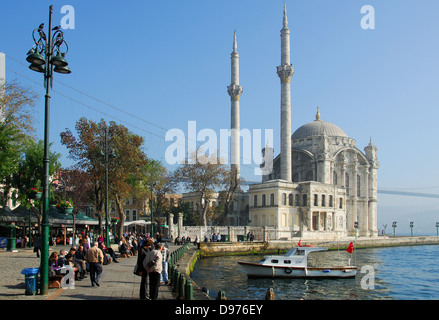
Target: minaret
[(371, 155), (235, 91), (285, 72)]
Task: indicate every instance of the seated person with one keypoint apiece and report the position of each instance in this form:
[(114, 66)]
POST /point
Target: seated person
[(69, 259), (80, 258), (109, 251), (133, 246), (62, 258), (123, 249), (106, 255), (53, 264), (78, 264)]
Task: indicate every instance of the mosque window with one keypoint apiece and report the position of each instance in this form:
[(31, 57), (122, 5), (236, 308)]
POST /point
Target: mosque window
[(358, 185), (341, 203), (330, 201), (297, 200), (347, 183), (290, 199), (255, 201), (316, 200), (284, 199), (272, 199), (305, 200), (264, 202), (323, 200)]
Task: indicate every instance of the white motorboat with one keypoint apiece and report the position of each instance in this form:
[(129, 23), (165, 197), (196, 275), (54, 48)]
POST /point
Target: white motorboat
[(294, 264)]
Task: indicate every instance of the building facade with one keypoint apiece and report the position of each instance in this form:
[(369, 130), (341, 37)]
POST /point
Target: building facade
[(321, 186)]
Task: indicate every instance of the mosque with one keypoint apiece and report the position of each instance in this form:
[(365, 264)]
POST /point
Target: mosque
[(321, 185)]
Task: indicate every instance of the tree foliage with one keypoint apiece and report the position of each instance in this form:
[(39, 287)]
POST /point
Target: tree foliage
[(17, 109), (29, 173), (88, 150), (205, 175)]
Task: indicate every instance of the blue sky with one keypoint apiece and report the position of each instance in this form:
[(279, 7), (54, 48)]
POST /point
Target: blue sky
[(155, 65)]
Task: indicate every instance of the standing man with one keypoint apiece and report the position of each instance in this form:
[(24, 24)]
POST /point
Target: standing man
[(165, 259), (153, 263), (143, 251), (95, 259)]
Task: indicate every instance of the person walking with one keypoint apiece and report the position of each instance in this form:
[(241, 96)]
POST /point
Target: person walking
[(95, 259), (37, 245), (153, 263)]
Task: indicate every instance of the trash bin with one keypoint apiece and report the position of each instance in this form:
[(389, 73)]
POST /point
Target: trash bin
[(31, 280)]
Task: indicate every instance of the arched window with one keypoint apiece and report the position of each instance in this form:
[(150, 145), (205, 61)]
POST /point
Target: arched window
[(297, 200), (255, 200), (290, 199), (330, 201), (272, 199), (264, 203), (284, 199), (358, 186), (316, 200), (346, 184)]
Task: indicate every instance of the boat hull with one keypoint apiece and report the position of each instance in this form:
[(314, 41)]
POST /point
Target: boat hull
[(256, 270)]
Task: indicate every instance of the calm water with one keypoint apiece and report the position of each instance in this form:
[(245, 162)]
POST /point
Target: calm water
[(400, 273)]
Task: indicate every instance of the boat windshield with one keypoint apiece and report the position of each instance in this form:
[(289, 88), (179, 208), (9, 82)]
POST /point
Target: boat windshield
[(299, 252)]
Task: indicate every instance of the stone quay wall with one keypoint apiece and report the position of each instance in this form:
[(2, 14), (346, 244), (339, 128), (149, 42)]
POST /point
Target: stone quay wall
[(211, 249)]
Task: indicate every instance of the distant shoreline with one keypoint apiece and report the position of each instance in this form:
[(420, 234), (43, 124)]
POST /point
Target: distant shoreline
[(212, 249)]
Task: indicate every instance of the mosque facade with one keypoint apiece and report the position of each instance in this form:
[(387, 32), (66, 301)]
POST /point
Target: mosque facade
[(321, 185)]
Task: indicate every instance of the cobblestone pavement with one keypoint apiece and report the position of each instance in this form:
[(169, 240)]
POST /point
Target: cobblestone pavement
[(117, 281)]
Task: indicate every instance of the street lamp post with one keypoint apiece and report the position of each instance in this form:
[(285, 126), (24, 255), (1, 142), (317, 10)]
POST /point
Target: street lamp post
[(106, 153), (43, 60), (394, 227), (152, 185)]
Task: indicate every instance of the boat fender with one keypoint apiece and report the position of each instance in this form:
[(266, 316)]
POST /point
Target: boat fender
[(288, 270)]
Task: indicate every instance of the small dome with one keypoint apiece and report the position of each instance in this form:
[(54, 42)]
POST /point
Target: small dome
[(316, 128)]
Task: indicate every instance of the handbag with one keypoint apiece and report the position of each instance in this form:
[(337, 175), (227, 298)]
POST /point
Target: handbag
[(136, 270)]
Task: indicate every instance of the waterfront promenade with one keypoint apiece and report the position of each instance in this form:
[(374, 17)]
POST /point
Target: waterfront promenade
[(117, 282)]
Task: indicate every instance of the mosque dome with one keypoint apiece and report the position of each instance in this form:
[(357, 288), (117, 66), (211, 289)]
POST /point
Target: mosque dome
[(318, 128)]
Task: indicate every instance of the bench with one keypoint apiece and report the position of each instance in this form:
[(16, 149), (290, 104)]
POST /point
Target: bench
[(55, 281)]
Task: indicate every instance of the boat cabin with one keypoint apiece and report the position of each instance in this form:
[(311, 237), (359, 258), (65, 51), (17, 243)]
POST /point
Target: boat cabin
[(295, 257)]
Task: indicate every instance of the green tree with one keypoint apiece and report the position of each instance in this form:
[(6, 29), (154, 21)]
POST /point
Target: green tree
[(203, 175), (17, 109), (189, 219), (86, 149), (29, 174)]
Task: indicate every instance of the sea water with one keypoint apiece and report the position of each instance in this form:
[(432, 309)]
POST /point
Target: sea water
[(393, 273)]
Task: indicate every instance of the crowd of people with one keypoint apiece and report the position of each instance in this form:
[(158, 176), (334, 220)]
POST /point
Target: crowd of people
[(89, 256)]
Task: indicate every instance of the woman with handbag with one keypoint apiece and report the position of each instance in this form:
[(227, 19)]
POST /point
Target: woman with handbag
[(140, 269)]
